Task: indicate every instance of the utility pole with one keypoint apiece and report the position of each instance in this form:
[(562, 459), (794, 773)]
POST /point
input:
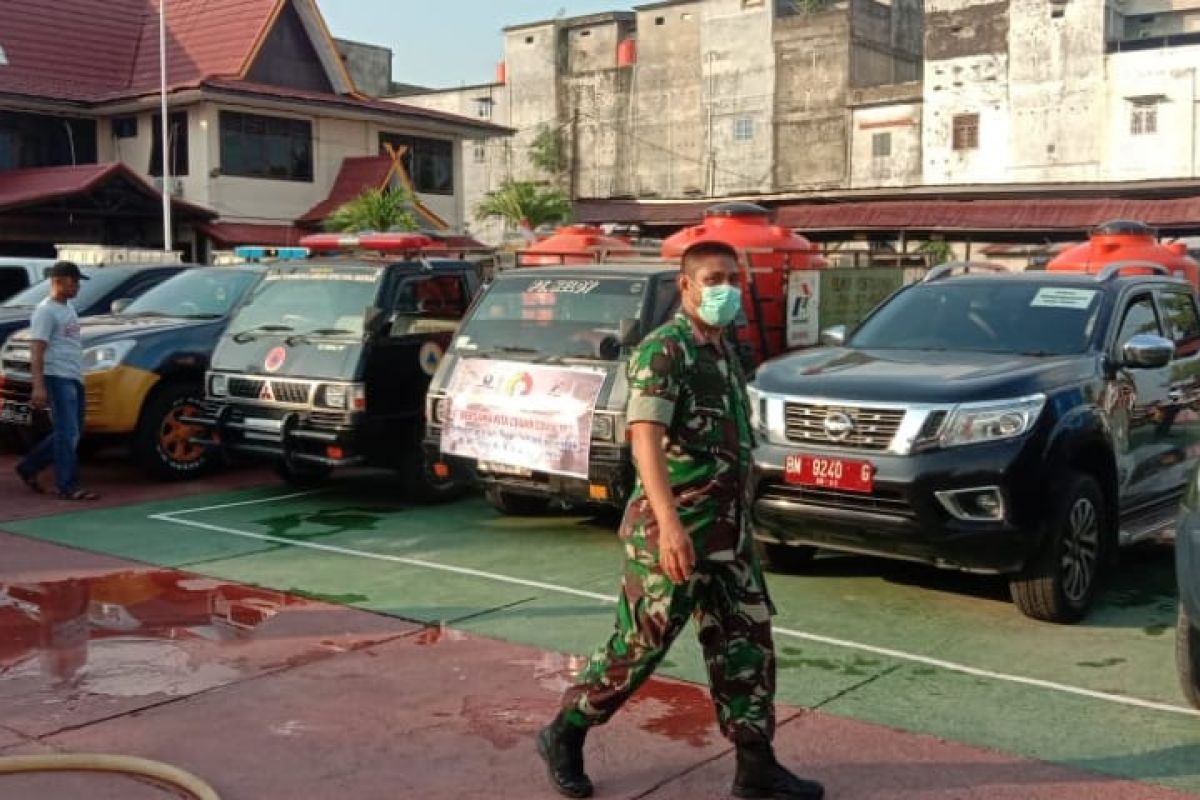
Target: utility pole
[(573, 176), (166, 144)]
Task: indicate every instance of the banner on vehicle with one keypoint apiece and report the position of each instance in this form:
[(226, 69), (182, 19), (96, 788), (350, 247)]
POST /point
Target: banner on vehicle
[(531, 416)]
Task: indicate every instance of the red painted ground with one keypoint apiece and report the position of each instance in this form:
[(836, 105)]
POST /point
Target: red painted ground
[(269, 696)]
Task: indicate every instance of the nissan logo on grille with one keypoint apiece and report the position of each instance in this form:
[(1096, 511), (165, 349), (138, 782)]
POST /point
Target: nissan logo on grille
[(838, 425)]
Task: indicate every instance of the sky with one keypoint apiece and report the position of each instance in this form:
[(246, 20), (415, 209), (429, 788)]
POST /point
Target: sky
[(445, 43)]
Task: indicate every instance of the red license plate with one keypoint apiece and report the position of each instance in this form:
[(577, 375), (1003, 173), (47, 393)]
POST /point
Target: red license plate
[(829, 473)]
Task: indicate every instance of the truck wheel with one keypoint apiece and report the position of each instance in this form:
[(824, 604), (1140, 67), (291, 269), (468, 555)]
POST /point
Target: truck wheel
[(302, 474), (1187, 657), (1058, 584), (162, 442), (422, 484), (788, 557), (515, 505)]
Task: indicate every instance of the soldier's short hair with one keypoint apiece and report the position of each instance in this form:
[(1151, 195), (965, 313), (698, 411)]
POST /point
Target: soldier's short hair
[(694, 255)]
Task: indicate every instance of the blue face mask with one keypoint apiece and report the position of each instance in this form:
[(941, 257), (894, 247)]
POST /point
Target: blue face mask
[(719, 305)]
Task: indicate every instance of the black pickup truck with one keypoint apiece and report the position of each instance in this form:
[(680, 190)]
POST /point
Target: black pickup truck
[(1024, 424)]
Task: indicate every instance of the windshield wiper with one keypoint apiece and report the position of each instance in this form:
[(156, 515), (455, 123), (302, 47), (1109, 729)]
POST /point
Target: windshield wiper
[(241, 337), (209, 315), (300, 337)]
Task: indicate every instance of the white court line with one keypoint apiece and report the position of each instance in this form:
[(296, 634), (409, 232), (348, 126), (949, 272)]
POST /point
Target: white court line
[(898, 655), (259, 501)]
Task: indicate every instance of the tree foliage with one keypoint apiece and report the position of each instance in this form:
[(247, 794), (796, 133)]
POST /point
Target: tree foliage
[(548, 151), (523, 201), (375, 210)]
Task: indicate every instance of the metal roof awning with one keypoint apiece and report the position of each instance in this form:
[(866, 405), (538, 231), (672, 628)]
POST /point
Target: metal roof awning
[(232, 234)]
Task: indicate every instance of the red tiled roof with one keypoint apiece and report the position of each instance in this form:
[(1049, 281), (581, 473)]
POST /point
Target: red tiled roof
[(356, 176), (1063, 214), (69, 49), (230, 234), (26, 187), (205, 38)]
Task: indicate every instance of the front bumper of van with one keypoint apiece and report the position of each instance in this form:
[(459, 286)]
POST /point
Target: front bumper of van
[(328, 438)]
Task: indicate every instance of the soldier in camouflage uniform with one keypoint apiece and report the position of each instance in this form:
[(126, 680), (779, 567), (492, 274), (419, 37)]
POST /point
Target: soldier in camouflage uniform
[(688, 551)]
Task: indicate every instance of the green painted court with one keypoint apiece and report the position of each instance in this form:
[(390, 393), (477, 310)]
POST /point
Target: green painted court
[(908, 647)]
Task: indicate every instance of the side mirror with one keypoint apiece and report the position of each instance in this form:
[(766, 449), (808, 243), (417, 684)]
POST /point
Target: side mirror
[(120, 305), (374, 320), (834, 337), (1146, 351), (630, 332)]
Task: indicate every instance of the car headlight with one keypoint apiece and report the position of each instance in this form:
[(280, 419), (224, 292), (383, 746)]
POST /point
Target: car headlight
[(218, 385), (106, 356), (603, 427), (973, 423)]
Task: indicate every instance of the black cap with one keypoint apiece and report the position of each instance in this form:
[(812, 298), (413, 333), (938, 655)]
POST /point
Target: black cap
[(66, 269)]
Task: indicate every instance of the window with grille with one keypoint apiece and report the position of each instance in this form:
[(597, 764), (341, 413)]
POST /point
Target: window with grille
[(1143, 119), (881, 145), (480, 152), (743, 129), (256, 146), (966, 132)]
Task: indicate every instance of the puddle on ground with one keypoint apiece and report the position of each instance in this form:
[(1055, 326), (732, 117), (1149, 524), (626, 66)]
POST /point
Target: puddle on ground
[(680, 711), (132, 633)]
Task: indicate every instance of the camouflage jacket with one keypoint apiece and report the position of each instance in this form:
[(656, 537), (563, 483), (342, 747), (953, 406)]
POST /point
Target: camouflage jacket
[(697, 390)]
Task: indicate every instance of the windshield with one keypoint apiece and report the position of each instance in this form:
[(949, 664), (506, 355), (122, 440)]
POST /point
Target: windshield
[(90, 291), (205, 292), (985, 317), (554, 316), (322, 303)]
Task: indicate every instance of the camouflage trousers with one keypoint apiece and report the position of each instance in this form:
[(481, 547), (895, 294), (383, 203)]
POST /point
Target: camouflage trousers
[(729, 602)]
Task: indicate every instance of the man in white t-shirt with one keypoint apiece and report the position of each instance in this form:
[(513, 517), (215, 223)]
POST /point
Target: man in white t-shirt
[(56, 365)]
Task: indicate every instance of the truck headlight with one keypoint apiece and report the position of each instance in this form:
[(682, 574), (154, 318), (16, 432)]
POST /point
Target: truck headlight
[(106, 356), (345, 397), (437, 410), (973, 423), (603, 427), (218, 385), (758, 409)]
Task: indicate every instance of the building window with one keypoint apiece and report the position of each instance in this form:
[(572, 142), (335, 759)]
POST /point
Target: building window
[(966, 132), (480, 152), (177, 135), (881, 145), (743, 129), (1143, 118), (483, 107), (660, 20), (430, 162), (254, 146)]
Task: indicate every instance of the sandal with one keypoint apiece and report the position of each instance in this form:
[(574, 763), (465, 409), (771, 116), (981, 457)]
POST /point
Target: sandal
[(79, 496), (30, 481)]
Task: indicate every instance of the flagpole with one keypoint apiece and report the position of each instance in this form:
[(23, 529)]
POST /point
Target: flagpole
[(166, 144)]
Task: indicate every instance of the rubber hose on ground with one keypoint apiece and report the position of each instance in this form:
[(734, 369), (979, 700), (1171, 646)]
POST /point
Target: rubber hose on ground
[(125, 765)]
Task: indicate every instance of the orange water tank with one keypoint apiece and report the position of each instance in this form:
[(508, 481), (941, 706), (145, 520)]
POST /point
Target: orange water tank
[(501, 73), (627, 52), (574, 244), (1125, 240), (769, 252)]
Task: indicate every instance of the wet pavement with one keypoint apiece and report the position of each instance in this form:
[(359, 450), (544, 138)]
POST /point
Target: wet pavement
[(280, 671)]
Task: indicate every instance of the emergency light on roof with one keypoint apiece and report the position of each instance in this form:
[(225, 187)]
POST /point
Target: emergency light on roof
[(381, 242), (258, 253)]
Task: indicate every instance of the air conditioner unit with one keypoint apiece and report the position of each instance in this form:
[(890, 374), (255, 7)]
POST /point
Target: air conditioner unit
[(174, 187)]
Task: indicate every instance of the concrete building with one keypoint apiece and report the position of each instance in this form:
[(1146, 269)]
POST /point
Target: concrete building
[(1021, 91)]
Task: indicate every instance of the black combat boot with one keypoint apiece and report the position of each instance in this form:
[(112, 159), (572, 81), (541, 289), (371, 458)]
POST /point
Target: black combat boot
[(560, 745), (760, 776)]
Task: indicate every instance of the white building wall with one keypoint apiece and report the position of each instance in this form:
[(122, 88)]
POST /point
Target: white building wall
[(901, 122), (1173, 150), (967, 85)]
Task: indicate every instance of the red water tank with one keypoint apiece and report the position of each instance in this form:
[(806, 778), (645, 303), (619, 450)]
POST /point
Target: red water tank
[(501, 73), (574, 244), (768, 254), (1125, 240), (627, 52)]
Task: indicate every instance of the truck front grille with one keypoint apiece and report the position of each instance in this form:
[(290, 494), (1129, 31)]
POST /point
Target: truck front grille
[(288, 392), (870, 428)]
